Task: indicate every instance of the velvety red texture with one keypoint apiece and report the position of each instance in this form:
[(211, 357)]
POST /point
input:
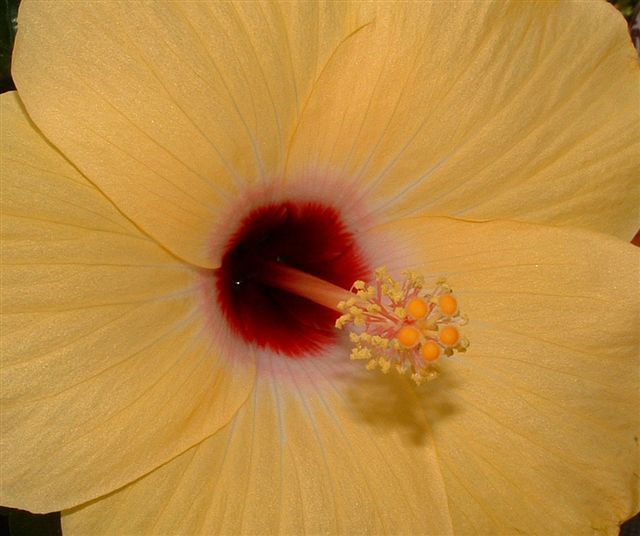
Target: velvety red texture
[(307, 236)]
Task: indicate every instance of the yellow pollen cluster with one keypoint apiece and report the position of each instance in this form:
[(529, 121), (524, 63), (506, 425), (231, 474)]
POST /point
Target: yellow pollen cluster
[(402, 324)]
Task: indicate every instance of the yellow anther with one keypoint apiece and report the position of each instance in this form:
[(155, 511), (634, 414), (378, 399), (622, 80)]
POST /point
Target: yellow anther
[(448, 304), (360, 353), (430, 351), (400, 312), (417, 308), (449, 336), (381, 342), (385, 364), (417, 378), (408, 336), (381, 273)]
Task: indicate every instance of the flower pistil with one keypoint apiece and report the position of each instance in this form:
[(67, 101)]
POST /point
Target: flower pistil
[(403, 325)]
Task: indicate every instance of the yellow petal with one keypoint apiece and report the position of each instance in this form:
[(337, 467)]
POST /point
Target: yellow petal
[(515, 110), (109, 365), (173, 109), (315, 450), (541, 423), (534, 428)]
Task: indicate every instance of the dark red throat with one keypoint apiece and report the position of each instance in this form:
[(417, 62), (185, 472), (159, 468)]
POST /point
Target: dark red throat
[(307, 236)]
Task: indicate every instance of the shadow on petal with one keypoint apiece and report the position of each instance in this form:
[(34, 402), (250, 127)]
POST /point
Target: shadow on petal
[(394, 401)]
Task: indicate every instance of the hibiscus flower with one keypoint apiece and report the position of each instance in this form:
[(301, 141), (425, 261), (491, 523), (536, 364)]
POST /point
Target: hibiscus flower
[(158, 158)]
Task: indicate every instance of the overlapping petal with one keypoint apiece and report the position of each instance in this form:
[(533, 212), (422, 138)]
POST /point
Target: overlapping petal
[(307, 454), (531, 432), (174, 108), (174, 111), (537, 425), (517, 110), (110, 362)]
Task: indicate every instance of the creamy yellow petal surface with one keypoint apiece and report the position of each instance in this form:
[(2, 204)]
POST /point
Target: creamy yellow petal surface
[(537, 424), (173, 108), (483, 110), (109, 365), (532, 431), (312, 452)]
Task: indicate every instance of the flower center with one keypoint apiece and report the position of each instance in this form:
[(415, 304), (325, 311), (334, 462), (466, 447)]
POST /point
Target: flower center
[(309, 237)]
